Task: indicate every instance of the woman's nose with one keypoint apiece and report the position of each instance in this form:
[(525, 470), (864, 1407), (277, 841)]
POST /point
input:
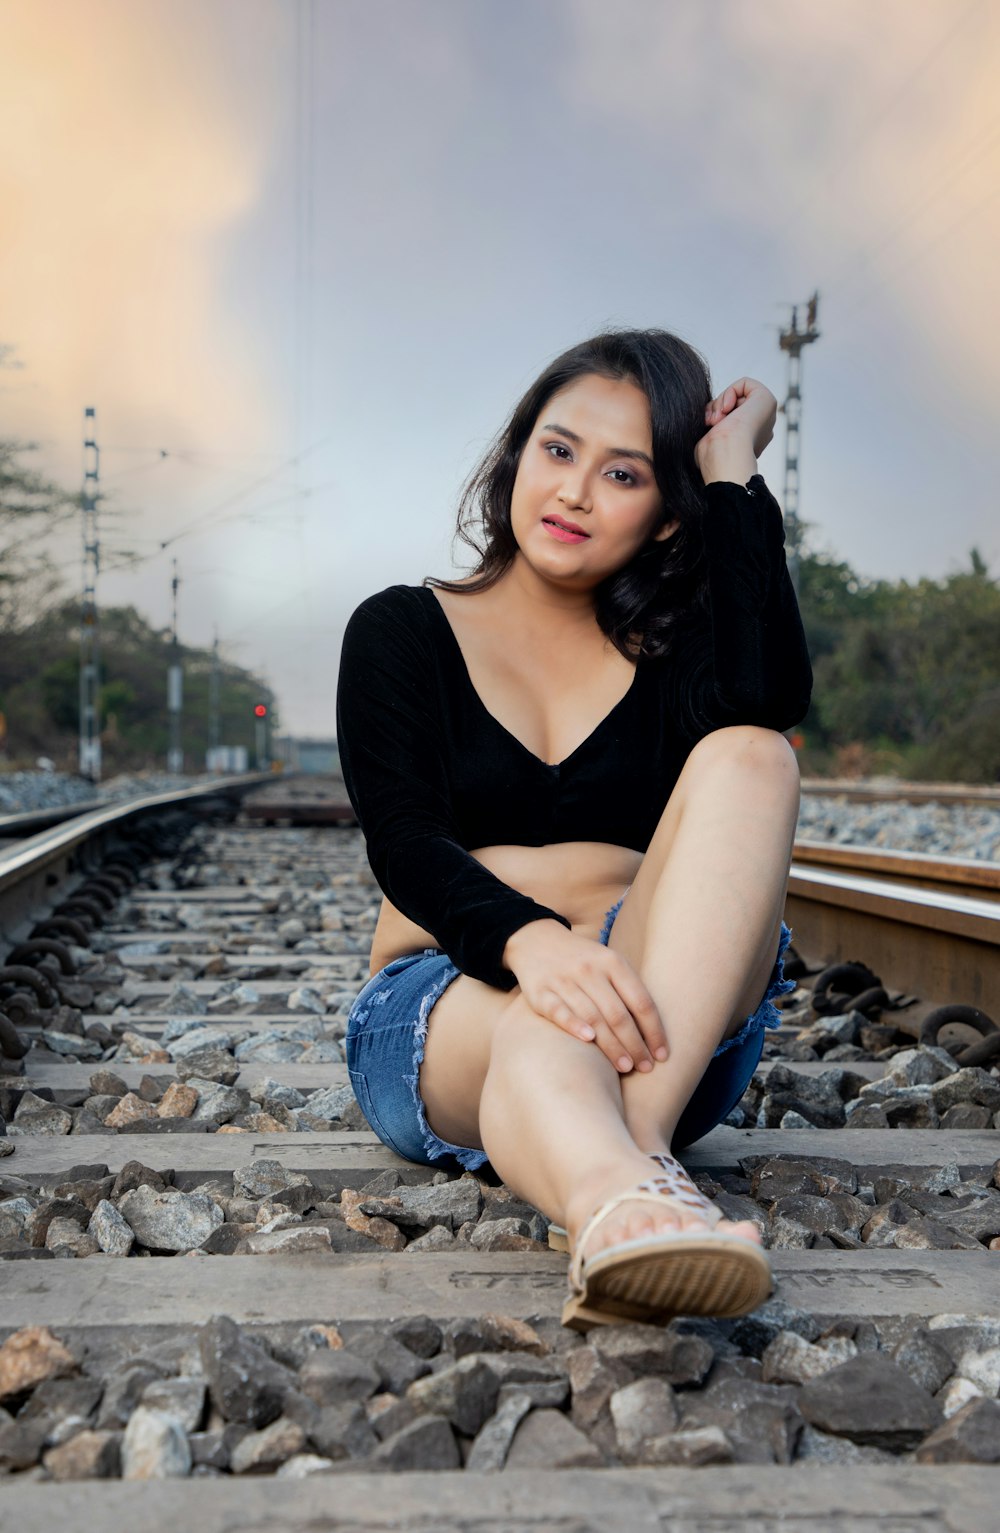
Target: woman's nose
[(576, 492)]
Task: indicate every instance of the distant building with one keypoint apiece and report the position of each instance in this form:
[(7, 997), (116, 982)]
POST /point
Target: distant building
[(320, 757)]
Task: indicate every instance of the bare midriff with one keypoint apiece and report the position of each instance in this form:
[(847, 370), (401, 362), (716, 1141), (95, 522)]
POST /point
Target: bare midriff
[(579, 879)]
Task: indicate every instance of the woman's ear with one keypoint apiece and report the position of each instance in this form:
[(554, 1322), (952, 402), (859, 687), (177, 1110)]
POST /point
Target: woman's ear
[(666, 531)]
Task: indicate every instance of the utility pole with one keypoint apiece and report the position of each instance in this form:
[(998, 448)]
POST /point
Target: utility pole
[(792, 340), (175, 688), (90, 632), (213, 705)]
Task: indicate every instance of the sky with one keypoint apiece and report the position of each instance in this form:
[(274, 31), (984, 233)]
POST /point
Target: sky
[(303, 256)]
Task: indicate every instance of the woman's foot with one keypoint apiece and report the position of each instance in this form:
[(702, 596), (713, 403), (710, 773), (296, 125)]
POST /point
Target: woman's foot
[(633, 1220), (654, 1248)]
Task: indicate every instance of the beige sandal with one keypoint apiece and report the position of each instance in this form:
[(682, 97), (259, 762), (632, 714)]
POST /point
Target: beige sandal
[(674, 1272), (557, 1236)]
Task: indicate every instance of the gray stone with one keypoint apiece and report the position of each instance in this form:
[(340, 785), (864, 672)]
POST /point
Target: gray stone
[(331, 1378), (306, 999), (47, 1120), (422, 1335), (342, 1431), (438, 1238), (640, 1411), (183, 1398), (210, 1063), (789, 1359), (170, 1220), (64, 1237), (216, 1101), (246, 1385), (760, 1421), (492, 1444), (504, 1235), (14, 1212), (920, 1066), (594, 1381), (547, 1440), (464, 1393), (927, 1363), (301, 1465), (288, 1241), (186, 1002), (820, 1447), (419, 1208), (265, 1178), (154, 1447), (653, 1350), (690, 1449), (330, 1102), (87, 1455), (981, 1368), (396, 1366), (971, 1436), (21, 1441), (427, 1443), (113, 1234), (872, 1400), (266, 1449), (967, 1085), (956, 1393), (269, 1049), (122, 1392), (275, 1092)]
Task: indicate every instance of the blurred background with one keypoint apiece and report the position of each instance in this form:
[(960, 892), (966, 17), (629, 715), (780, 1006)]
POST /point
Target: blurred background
[(299, 258)]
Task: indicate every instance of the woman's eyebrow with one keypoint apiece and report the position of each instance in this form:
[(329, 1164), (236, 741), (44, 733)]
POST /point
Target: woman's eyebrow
[(614, 452)]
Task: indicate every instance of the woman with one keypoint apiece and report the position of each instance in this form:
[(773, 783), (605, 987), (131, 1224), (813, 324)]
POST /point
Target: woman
[(575, 798)]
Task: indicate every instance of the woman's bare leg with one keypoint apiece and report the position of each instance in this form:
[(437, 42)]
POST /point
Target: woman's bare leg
[(699, 924)]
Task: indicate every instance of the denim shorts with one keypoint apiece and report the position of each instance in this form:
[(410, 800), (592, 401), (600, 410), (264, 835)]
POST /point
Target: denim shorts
[(387, 1032)]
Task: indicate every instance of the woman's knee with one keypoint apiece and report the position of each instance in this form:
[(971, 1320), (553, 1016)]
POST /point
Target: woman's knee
[(744, 749)]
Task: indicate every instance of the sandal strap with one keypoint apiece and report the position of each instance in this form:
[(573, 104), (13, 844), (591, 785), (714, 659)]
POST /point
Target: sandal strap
[(671, 1167), (656, 1189)]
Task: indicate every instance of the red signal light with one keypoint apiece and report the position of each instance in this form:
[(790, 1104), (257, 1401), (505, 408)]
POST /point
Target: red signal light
[(260, 711)]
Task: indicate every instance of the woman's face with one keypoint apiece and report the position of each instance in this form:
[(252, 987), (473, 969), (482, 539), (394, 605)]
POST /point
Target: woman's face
[(588, 461)]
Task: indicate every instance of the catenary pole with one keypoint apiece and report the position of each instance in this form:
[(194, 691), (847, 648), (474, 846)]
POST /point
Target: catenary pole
[(792, 340), (90, 631), (175, 686)]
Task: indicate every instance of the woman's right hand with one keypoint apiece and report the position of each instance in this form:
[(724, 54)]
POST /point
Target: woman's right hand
[(588, 990)]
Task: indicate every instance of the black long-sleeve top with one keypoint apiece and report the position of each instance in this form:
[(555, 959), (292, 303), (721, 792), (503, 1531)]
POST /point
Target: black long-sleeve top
[(430, 773)]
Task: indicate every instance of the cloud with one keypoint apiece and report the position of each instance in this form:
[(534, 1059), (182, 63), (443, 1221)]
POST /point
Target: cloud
[(861, 138), (128, 168)]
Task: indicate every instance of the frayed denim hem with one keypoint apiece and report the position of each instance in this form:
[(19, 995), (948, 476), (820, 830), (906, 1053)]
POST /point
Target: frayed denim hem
[(609, 920), (767, 1014), (434, 1147)]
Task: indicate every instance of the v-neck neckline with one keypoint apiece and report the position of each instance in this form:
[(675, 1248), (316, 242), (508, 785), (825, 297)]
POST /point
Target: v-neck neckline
[(550, 766)]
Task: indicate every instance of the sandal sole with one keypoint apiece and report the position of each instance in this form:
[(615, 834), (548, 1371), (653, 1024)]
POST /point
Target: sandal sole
[(716, 1277)]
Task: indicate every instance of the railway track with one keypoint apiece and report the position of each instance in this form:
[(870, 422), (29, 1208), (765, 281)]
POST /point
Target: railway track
[(305, 1325)]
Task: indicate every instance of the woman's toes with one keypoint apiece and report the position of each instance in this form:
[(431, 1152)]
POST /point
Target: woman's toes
[(743, 1227)]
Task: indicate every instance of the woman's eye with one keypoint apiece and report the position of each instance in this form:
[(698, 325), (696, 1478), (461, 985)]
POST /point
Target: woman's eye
[(560, 447)]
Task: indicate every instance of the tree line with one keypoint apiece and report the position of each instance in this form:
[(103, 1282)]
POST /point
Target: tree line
[(40, 653), (906, 676)]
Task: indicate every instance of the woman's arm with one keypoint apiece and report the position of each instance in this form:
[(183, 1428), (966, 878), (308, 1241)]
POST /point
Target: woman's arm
[(389, 733), (750, 664)]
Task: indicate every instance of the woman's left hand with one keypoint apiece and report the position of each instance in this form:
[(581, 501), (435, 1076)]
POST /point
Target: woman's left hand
[(747, 409)]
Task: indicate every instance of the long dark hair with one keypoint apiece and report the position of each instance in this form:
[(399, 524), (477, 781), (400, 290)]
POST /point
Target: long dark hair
[(663, 586)]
